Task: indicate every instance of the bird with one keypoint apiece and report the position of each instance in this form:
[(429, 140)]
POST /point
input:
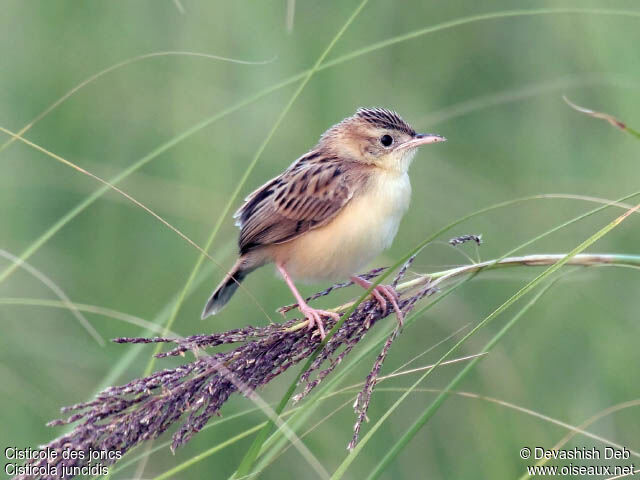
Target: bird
[(330, 212)]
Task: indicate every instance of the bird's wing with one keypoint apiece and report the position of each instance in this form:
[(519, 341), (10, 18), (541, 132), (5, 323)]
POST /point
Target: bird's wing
[(307, 195)]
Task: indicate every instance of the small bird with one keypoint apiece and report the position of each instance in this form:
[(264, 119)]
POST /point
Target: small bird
[(331, 212)]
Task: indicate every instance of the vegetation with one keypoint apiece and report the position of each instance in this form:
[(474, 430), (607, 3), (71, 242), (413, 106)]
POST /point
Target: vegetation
[(132, 131)]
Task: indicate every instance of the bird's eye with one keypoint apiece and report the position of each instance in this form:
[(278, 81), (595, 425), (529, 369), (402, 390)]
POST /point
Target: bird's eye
[(386, 140)]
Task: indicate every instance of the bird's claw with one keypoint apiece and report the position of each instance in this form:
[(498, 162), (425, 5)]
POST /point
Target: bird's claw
[(384, 293), (314, 317)]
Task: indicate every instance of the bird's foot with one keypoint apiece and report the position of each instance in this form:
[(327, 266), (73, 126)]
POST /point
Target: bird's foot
[(383, 294), (314, 317)]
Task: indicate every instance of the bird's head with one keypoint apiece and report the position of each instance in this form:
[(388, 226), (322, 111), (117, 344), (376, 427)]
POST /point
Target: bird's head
[(376, 136)]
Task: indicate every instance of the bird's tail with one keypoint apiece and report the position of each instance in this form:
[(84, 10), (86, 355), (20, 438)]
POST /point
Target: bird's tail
[(228, 286)]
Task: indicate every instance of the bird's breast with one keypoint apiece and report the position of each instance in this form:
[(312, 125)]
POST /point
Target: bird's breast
[(361, 230)]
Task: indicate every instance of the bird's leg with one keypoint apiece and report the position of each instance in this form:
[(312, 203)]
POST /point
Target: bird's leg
[(313, 315), (382, 293)]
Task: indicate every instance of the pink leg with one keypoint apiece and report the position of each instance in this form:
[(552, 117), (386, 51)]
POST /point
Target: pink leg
[(313, 315), (382, 293)]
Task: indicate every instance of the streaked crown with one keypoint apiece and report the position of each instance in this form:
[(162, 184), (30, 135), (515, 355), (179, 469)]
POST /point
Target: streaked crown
[(383, 118)]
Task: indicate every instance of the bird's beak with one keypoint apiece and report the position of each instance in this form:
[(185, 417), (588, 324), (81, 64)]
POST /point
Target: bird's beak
[(421, 139)]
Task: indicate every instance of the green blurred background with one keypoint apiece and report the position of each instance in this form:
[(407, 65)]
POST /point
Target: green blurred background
[(493, 88)]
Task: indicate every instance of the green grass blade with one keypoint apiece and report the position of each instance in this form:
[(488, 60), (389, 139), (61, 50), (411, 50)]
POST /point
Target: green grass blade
[(59, 292), (337, 376), (398, 446), (117, 66), (524, 290), (251, 455), (275, 442), (263, 93), (83, 307), (479, 18), (201, 456), (121, 465), (4, 275), (251, 167), (88, 201)]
